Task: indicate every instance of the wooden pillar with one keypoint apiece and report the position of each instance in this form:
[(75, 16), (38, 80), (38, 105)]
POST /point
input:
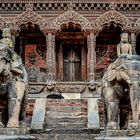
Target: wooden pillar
[(91, 42), (133, 42), (50, 57), (60, 63), (83, 63)]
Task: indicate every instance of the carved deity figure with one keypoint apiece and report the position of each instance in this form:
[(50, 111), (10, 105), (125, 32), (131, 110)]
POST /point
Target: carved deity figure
[(124, 47), (17, 82)]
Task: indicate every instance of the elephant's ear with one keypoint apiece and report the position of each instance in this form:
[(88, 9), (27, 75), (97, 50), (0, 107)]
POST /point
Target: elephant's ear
[(111, 75)]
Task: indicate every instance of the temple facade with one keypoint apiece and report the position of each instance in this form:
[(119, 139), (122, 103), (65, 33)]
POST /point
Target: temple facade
[(66, 47)]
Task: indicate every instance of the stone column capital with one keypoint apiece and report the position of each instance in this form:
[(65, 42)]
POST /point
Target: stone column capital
[(134, 30), (94, 31), (50, 31)]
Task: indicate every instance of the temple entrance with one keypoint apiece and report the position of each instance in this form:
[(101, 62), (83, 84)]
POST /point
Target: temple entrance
[(106, 47), (71, 53)]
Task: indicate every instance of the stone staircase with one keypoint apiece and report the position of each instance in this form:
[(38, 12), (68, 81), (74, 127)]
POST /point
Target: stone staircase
[(66, 114)]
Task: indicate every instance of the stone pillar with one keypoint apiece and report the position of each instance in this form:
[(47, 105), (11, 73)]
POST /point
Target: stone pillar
[(50, 57), (39, 113), (93, 113), (133, 42), (91, 42)]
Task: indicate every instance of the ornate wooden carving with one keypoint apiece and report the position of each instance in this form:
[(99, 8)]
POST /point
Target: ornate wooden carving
[(91, 41), (70, 16), (112, 16), (2, 22), (70, 88), (29, 16), (50, 57)]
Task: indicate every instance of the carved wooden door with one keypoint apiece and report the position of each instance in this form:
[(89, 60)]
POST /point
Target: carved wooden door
[(72, 63)]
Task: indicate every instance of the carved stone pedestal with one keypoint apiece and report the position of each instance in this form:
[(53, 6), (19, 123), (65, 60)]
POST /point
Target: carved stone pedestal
[(17, 137), (120, 133), (117, 138), (14, 131)]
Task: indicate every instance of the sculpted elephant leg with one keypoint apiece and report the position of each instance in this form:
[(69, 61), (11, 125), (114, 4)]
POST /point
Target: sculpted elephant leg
[(23, 109), (112, 115), (134, 99), (14, 119), (112, 106)]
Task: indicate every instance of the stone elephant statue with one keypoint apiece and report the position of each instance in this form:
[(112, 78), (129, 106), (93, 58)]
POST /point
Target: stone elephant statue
[(14, 77), (122, 76)]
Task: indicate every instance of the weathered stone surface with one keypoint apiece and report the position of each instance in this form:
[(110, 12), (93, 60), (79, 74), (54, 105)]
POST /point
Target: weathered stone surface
[(66, 136), (39, 114), (93, 113), (65, 125), (66, 114), (14, 131), (71, 96), (118, 138), (17, 137), (120, 133)]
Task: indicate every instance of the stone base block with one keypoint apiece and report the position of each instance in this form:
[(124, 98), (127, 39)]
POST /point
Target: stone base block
[(120, 133), (14, 131), (117, 138), (17, 137)]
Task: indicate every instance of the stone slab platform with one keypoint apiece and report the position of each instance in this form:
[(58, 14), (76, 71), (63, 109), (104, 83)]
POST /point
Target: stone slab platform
[(66, 131), (65, 136), (14, 131), (117, 138), (17, 137), (120, 133)]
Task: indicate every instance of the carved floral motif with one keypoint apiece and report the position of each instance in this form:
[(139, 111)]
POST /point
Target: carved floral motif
[(112, 16), (70, 88), (70, 16), (29, 16)]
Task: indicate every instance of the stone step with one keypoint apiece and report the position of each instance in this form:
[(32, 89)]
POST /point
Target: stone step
[(117, 138), (65, 136), (64, 125), (66, 131), (69, 101), (66, 109), (65, 119), (65, 114), (17, 137), (14, 131)]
